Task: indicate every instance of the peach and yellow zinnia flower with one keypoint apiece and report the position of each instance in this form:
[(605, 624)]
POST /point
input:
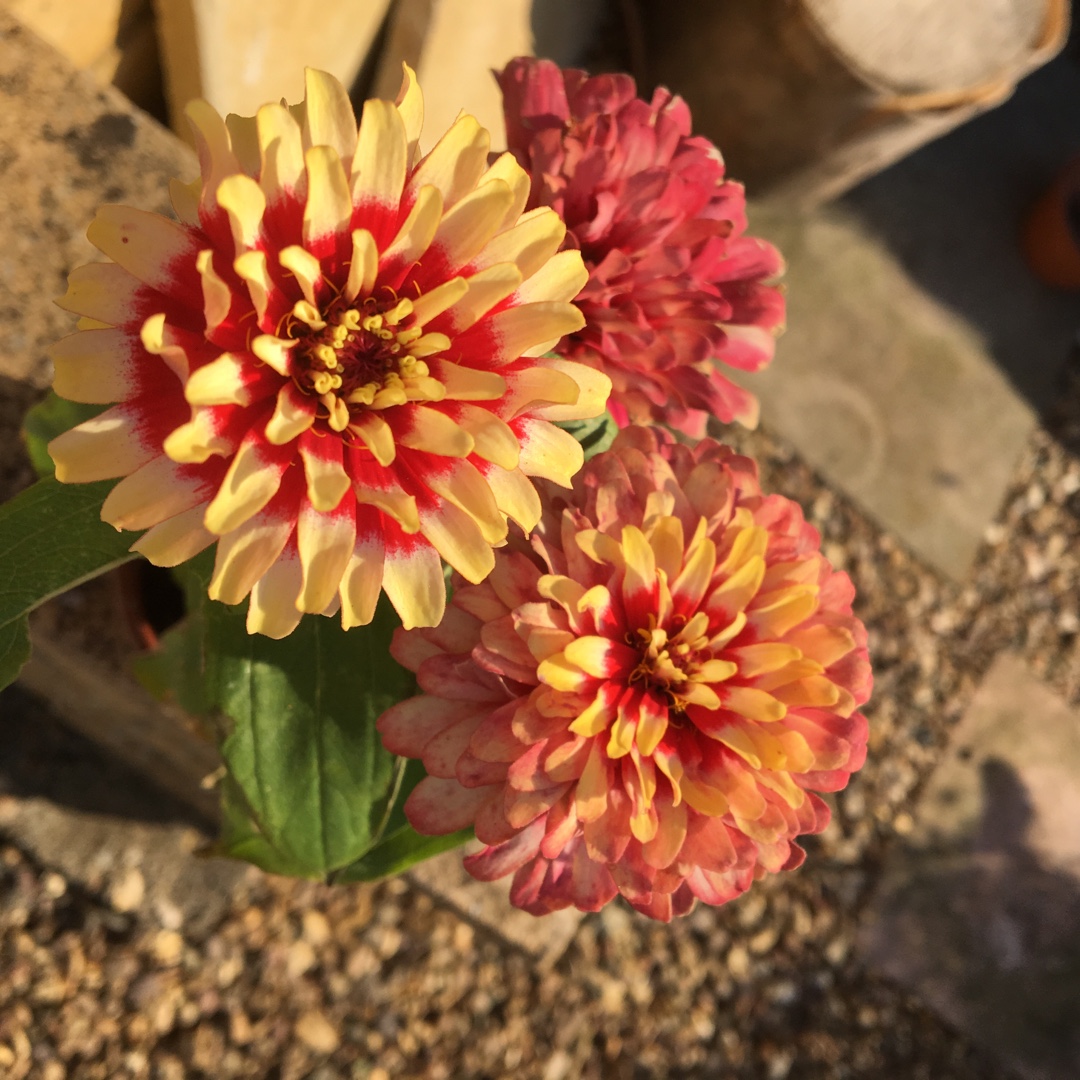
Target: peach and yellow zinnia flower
[(331, 365), (644, 700)]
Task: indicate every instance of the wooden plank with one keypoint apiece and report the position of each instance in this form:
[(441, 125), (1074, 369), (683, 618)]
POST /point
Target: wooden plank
[(240, 54), (118, 715), (454, 45)]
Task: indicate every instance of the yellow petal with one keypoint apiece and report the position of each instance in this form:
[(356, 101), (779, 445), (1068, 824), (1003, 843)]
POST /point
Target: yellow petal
[(753, 704), (410, 105), (375, 433), (274, 351), (469, 384), (594, 718), (666, 539), (415, 585), (532, 328), (282, 149), (212, 142), (392, 502), (146, 245), (244, 202), (562, 277), (251, 266), (749, 543), (361, 583), (197, 440), (330, 118), (150, 494), (221, 382), (457, 537), (594, 388), (506, 170), (737, 591), (294, 413), (248, 486), (175, 541), (551, 453), (591, 796), (515, 495), (431, 304), (244, 140), (735, 737), (327, 482), (185, 200), (558, 673), (468, 490), (272, 610), (364, 266), (244, 555), (703, 799), (816, 692), (825, 644), (380, 161), (538, 385), (417, 231), (472, 221), (95, 366), (456, 162), (621, 739), (102, 291), (435, 433), (217, 296), (774, 614), (325, 543), (328, 207), (769, 656), (486, 289), (494, 440), (304, 267), (528, 245), (102, 448)]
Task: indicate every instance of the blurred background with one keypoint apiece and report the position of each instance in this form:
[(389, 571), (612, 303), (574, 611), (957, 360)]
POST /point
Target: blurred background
[(916, 163)]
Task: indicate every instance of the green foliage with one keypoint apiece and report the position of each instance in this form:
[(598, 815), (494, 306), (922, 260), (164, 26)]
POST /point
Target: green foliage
[(52, 538), (310, 791), (595, 435)]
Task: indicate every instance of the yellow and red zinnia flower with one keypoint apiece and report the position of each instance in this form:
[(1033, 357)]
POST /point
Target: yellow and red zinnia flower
[(644, 700), (676, 289), (331, 364)]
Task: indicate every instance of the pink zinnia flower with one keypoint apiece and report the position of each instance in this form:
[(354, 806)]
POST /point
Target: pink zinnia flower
[(644, 700), (331, 365), (675, 288)]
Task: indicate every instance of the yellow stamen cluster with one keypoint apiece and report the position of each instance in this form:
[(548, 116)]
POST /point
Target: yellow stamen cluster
[(406, 378), (669, 660)]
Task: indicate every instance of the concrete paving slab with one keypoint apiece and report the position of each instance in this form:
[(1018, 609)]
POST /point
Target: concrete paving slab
[(978, 912), (67, 145), (889, 394), (919, 347)]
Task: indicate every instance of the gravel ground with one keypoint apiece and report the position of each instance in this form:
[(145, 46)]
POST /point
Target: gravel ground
[(299, 980)]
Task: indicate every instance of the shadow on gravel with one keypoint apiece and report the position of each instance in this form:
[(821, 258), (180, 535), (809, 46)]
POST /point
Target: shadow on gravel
[(40, 757), (990, 936)]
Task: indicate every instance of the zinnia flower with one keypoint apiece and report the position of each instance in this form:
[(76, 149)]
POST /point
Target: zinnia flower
[(645, 701), (329, 365), (675, 288)]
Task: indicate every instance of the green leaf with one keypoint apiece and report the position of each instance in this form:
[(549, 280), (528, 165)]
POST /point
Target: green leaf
[(52, 538), (48, 418), (398, 851), (595, 435), (301, 742)]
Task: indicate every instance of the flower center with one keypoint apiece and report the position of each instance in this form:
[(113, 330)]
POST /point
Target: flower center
[(362, 357), (670, 658)]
